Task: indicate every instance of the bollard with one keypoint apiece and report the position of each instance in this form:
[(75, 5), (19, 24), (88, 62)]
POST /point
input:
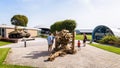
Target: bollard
[(25, 43)]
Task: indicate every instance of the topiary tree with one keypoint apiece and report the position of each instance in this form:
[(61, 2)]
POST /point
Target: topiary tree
[(19, 20), (56, 26), (66, 24), (69, 25)]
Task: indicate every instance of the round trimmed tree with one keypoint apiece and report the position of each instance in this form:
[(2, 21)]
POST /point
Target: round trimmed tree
[(19, 20), (66, 24)]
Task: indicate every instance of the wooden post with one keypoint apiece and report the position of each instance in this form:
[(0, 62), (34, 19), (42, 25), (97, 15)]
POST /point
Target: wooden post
[(15, 28), (55, 40), (73, 41), (55, 43)]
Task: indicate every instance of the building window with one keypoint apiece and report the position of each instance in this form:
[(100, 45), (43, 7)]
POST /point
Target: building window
[(2, 32)]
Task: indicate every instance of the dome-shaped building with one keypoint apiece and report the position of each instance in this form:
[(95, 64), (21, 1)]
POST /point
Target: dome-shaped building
[(100, 31)]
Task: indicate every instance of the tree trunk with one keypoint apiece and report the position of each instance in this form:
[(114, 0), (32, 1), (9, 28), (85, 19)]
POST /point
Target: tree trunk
[(56, 54), (15, 28), (62, 45)]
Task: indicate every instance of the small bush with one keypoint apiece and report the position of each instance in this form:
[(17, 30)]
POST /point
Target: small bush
[(0, 37), (43, 36), (109, 39), (9, 40), (117, 42)]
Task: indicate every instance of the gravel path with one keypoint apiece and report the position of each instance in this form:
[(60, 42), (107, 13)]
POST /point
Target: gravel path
[(36, 53)]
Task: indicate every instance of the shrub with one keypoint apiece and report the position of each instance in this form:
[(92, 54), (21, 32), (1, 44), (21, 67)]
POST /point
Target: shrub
[(43, 36), (9, 40), (0, 37), (117, 43), (110, 39)]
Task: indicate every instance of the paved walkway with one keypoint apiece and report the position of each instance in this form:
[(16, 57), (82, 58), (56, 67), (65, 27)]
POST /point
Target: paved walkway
[(36, 53)]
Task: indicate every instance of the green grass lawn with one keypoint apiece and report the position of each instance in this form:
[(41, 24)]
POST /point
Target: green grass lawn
[(13, 66), (108, 48), (4, 43), (80, 37), (3, 54)]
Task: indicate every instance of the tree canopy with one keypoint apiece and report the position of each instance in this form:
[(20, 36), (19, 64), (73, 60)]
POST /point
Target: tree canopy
[(19, 20), (66, 24)]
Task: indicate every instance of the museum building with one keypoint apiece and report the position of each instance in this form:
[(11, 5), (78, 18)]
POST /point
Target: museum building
[(100, 31), (6, 29)]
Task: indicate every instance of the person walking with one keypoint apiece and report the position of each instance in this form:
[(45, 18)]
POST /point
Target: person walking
[(50, 42), (84, 39)]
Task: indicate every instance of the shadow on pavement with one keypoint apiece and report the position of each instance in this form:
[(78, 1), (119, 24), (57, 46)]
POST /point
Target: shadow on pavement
[(37, 54)]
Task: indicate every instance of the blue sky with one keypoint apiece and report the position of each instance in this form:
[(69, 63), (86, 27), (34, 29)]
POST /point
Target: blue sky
[(87, 13)]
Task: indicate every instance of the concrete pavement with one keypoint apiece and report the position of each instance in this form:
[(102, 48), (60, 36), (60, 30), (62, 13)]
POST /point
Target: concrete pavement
[(36, 53)]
